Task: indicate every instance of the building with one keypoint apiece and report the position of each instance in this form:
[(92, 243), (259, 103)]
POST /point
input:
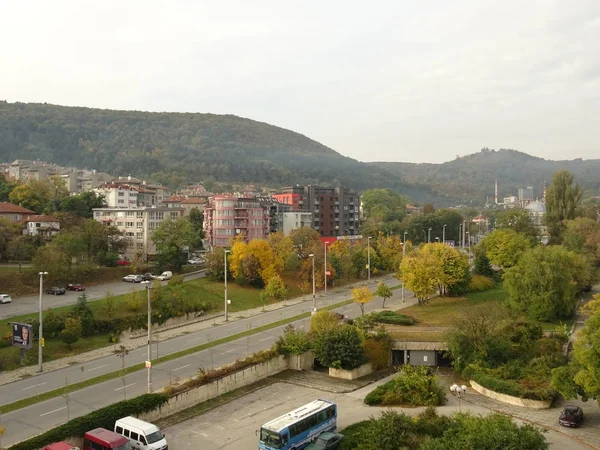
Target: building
[(276, 210), (225, 217), (118, 195), (335, 210), (41, 225), (295, 219), (14, 213), (138, 224), (525, 196), (536, 211), (510, 202), (289, 198)]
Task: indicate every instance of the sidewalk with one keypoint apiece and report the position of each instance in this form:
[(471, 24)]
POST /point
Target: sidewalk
[(201, 324)]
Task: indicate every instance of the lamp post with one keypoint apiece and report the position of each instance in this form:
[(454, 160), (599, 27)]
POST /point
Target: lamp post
[(469, 245), (325, 267), (369, 259), (437, 239), (464, 229), (149, 361), (226, 301), (403, 255), (459, 233), (424, 236), (313, 280), (429, 235), (444, 234), (41, 328)]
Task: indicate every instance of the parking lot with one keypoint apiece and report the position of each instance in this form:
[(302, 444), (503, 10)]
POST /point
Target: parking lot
[(233, 425)]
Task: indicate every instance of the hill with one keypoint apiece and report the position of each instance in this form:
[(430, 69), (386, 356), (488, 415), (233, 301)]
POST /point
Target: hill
[(470, 179), (178, 148)]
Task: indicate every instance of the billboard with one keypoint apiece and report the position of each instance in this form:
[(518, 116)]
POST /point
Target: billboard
[(22, 335)]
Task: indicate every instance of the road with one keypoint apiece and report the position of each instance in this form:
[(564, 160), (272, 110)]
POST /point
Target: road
[(232, 426), (29, 304), (40, 417)]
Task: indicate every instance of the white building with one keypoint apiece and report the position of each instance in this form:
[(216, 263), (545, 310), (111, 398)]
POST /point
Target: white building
[(138, 224), (118, 195), (296, 219), (41, 226)]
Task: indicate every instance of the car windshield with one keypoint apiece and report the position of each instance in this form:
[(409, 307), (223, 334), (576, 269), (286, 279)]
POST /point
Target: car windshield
[(155, 437), (570, 412), (270, 438), (124, 447), (321, 442)]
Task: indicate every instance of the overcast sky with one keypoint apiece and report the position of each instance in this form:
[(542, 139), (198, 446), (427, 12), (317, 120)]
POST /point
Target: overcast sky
[(418, 80)]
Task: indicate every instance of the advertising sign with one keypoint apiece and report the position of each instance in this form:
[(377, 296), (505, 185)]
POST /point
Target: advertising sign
[(22, 335)]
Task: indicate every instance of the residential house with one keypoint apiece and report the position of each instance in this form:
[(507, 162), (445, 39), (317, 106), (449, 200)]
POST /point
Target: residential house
[(14, 213), (41, 225), (118, 195)]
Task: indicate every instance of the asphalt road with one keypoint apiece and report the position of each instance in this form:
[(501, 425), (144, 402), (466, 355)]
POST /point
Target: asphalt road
[(29, 304), (40, 417)]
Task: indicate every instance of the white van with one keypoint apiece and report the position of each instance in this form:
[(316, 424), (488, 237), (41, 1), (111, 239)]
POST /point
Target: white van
[(142, 435), (165, 276)]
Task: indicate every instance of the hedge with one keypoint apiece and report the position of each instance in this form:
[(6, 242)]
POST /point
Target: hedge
[(392, 317), (508, 387), (103, 417)]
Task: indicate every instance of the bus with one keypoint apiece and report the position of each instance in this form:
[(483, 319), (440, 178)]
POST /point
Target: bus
[(296, 429)]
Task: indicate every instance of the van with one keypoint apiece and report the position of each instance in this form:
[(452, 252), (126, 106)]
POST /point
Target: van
[(165, 276), (60, 446), (142, 435), (102, 439)]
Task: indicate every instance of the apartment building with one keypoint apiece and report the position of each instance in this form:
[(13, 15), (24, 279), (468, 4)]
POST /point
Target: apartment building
[(26, 170), (336, 211), (225, 217), (295, 219), (118, 195), (275, 210), (138, 224)]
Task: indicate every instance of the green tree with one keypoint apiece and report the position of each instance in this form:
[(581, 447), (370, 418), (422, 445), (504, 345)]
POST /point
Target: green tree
[(72, 331), (455, 268), (82, 205), (563, 197), (197, 220), (8, 231), (215, 264), (482, 265), (323, 321), (543, 284), (34, 195), (383, 291), (504, 247), (172, 238), (341, 348), (20, 249), (516, 219), (362, 295), (276, 288), (6, 186)]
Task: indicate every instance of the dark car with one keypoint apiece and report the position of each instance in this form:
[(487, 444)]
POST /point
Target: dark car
[(75, 287), (571, 416), (147, 276), (56, 291), (326, 441)]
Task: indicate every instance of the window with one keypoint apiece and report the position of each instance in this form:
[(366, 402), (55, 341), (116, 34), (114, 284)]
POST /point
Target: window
[(139, 235), (119, 430), (119, 224), (125, 431), (37, 224), (16, 217), (140, 245), (134, 436), (129, 224), (121, 201), (121, 194)]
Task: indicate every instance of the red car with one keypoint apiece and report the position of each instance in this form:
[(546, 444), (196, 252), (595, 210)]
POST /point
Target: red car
[(75, 287), (123, 262)]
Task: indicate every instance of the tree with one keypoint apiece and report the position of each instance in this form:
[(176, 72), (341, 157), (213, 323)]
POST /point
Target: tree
[(8, 231), (323, 321), (172, 238), (482, 265), (283, 250), (383, 291), (197, 220), (389, 250), (422, 273), (72, 331), (20, 249), (562, 200), (428, 208), (276, 288), (504, 247), (455, 267), (82, 205), (517, 220), (34, 195), (302, 238), (341, 348), (362, 295), (6, 186), (543, 284), (582, 235), (215, 264)]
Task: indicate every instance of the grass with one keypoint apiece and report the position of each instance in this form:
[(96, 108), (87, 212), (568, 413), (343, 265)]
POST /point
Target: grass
[(4, 409), (9, 269)]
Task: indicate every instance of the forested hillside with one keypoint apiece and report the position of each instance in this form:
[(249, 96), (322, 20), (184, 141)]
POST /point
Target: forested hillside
[(471, 178), (175, 148)]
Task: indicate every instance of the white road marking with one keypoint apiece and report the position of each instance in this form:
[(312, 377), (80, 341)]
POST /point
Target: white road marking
[(266, 339), (50, 412), (96, 368), (31, 387), (123, 387), (196, 339), (182, 367), (229, 351)]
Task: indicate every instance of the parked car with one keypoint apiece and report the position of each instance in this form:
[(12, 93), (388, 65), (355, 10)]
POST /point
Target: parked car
[(5, 298), (142, 435), (147, 276), (75, 287), (195, 261), (326, 441), (133, 278), (123, 262), (165, 276), (54, 290), (571, 416)]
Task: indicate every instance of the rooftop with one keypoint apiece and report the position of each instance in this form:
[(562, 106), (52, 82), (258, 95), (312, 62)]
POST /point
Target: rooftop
[(6, 207)]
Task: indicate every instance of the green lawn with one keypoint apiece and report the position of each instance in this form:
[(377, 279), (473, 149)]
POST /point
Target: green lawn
[(8, 269)]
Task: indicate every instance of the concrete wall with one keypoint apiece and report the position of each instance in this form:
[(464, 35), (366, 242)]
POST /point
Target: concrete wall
[(173, 322), (517, 401), (304, 361), (361, 371), (423, 358)]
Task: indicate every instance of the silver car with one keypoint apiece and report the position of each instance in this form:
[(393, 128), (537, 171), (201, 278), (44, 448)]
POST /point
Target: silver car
[(5, 298)]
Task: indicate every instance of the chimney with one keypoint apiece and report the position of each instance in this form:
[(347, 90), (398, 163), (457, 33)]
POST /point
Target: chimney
[(496, 192)]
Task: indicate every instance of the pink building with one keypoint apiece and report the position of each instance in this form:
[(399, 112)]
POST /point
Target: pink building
[(225, 217)]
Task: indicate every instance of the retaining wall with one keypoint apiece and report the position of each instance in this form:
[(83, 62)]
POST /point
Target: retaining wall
[(353, 374), (517, 401)]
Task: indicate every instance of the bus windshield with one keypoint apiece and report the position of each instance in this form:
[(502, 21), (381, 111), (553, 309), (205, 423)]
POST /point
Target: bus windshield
[(270, 438)]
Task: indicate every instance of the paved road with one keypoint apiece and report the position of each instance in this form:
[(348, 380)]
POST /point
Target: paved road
[(35, 419), (29, 304), (233, 425)]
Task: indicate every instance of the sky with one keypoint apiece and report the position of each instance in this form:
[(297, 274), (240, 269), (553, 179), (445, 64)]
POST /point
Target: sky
[(397, 80)]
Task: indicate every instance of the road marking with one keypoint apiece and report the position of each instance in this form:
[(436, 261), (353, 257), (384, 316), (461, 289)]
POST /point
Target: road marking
[(196, 339), (182, 367), (204, 434), (123, 387), (31, 387), (229, 351), (96, 368), (266, 339), (50, 412)]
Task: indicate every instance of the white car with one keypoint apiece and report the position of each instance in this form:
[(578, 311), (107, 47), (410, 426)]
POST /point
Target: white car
[(5, 298), (165, 276), (133, 278), (196, 261)]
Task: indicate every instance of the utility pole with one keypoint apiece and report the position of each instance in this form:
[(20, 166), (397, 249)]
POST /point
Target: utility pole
[(41, 327), (369, 259), (444, 234), (226, 300), (313, 283), (403, 255)]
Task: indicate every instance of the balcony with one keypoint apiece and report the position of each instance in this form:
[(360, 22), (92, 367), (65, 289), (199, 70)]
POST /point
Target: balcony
[(241, 214)]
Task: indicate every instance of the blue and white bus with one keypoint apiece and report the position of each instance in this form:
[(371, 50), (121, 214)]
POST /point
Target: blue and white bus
[(296, 429)]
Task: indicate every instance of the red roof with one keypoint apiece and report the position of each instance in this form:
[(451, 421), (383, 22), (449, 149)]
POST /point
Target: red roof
[(196, 201), (41, 218), (6, 207)]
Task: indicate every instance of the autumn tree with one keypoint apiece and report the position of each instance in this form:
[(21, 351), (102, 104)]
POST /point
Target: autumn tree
[(421, 273), (383, 291), (362, 295), (283, 250), (276, 288), (504, 247), (562, 200), (34, 196), (215, 264), (455, 268), (389, 250), (582, 235), (72, 331)]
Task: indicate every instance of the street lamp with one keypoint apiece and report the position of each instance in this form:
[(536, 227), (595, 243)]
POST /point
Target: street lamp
[(149, 362), (41, 328), (325, 269), (369, 259), (464, 229), (469, 244), (403, 255), (424, 236), (226, 301), (313, 280), (429, 235), (437, 240), (444, 234), (459, 233)]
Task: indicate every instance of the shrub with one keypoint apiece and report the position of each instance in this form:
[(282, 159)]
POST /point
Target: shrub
[(134, 301), (294, 342), (176, 280), (393, 318), (324, 321), (109, 306), (103, 417), (480, 283), (72, 331), (378, 353), (491, 381), (341, 347)]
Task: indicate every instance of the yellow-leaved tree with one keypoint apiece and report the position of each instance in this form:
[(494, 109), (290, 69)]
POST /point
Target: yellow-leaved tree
[(422, 273), (362, 295), (455, 268)]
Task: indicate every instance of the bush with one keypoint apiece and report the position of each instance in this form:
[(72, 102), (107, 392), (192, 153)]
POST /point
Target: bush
[(176, 280), (412, 387), (392, 317), (324, 321), (511, 387), (292, 342), (480, 283), (103, 417), (378, 353), (134, 301), (72, 331), (342, 347)]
